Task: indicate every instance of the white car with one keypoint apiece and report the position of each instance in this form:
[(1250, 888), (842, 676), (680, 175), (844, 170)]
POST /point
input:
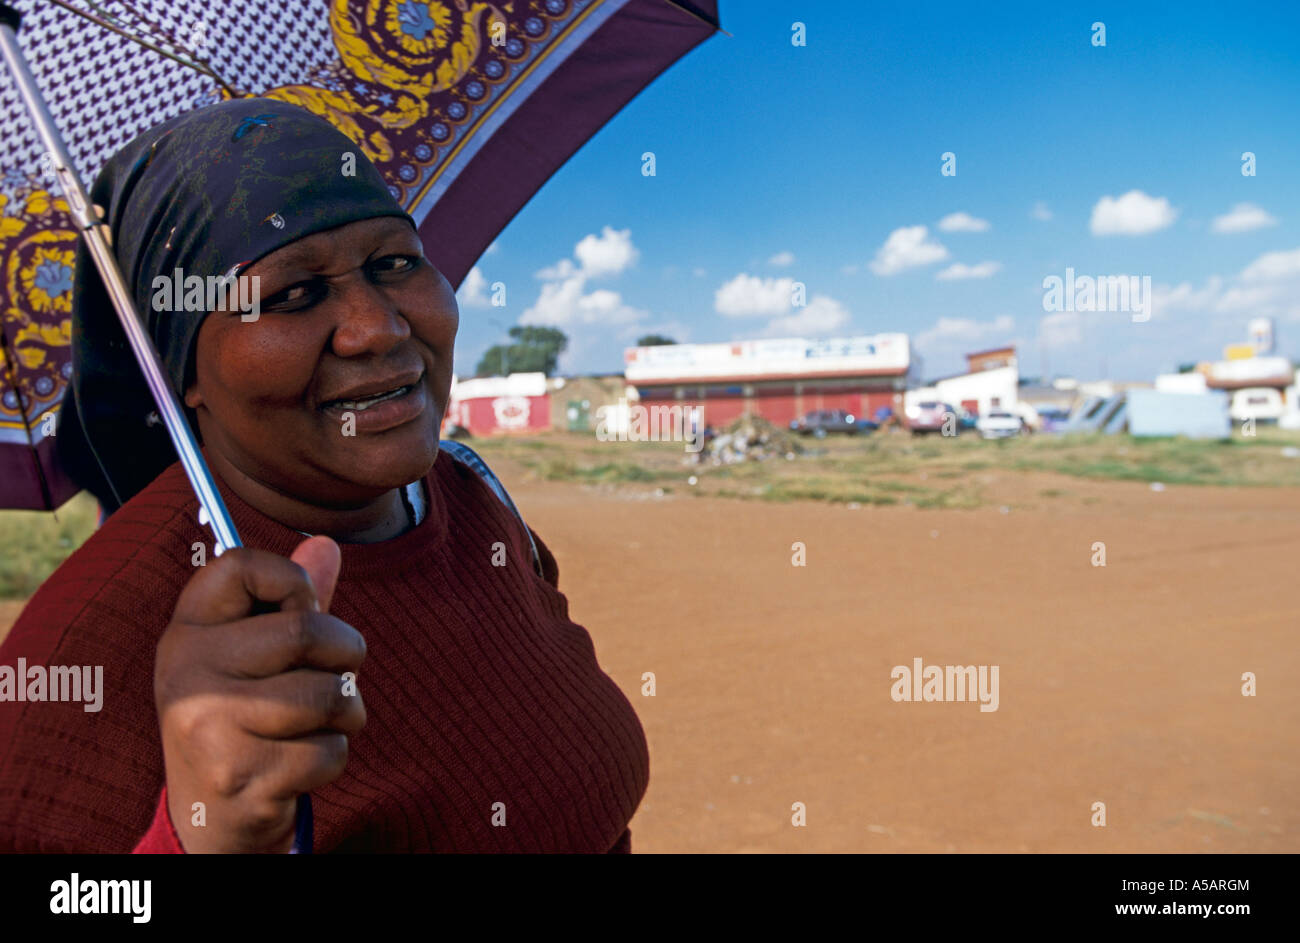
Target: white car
[(998, 424), (1263, 404)]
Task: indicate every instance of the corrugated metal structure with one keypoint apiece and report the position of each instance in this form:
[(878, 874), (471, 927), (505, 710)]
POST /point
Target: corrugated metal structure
[(1194, 415), (1143, 412)]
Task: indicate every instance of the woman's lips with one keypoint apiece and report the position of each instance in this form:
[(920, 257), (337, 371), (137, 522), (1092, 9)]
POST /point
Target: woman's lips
[(369, 416)]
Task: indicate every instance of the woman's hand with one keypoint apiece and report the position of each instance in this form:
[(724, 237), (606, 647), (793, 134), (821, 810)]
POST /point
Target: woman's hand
[(255, 709)]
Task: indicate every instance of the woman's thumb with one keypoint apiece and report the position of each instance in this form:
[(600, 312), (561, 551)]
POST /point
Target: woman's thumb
[(320, 557)]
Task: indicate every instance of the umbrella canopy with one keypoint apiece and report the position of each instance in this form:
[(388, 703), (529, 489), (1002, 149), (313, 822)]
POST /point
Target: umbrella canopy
[(466, 107)]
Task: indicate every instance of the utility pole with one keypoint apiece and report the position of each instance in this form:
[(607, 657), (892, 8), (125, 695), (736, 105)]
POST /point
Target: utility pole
[(505, 348)]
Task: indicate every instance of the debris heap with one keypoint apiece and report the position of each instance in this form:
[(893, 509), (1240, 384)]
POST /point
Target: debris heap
[(750, 438)]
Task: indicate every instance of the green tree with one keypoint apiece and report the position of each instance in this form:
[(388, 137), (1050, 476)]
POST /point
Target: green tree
[(654, 340), (533, 350)]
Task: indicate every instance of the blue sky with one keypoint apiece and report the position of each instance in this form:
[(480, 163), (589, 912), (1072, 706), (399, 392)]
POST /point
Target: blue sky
[(818, 164)]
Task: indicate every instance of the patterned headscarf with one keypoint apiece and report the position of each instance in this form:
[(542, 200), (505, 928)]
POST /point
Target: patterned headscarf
[(208, 193)]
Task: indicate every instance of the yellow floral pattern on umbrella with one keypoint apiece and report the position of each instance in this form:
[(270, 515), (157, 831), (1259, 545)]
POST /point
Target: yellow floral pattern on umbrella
[(438, 42), (37, 254), (44, 278), (341, 110)]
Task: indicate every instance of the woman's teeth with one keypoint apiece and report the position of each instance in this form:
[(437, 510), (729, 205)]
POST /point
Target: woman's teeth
[(362, 404)]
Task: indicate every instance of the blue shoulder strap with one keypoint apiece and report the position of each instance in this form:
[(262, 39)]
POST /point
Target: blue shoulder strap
[(471, 459)]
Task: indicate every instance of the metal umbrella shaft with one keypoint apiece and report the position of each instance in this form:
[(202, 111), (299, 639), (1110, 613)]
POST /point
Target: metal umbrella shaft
[(212, 510)]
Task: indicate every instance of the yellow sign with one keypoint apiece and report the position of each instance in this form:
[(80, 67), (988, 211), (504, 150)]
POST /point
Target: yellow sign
[(1239, 352)]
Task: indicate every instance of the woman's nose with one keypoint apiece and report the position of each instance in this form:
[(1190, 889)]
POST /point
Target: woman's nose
[(368, 321)]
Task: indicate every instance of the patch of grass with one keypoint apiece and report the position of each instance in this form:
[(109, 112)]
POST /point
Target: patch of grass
[(34, 543), (947, 499), (826, 492), (885, 468), (563, 469), (612, 471), (901, 486)]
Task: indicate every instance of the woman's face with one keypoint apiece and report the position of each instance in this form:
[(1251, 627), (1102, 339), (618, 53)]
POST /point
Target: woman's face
[(336, 392)]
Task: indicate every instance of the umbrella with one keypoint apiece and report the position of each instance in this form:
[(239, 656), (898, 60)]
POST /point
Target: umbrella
[(467, 108)]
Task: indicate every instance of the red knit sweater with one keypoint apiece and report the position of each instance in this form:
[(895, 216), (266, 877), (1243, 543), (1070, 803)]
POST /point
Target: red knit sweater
[(478, 688)]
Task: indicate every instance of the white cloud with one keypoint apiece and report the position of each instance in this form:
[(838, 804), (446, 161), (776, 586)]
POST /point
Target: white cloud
[(493, 249), (750, 296), (1268, 286), (1230, 301), (564, 300), (561, 269), (1040, 212), (606, 307), (907, 247), (699, 272), (953, 331), (1243, 217), (1133, 214), (1245, 300), (1185, 297), (1060, 329), (564, 303), (473, 293), (960, 270), (607, 254), (1273, 266), (850, 269), (963, 222), (822, 315), (782, 259)]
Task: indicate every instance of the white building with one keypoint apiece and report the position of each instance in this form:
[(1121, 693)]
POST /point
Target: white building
[(991, 384)]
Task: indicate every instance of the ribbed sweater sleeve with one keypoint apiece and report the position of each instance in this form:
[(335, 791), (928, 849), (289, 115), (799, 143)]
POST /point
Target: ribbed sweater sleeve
[(161, 839)]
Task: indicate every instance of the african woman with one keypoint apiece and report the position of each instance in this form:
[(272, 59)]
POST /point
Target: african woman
[(365, 647)]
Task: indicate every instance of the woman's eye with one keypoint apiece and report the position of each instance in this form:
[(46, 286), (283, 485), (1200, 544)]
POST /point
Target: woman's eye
[(296, 296), (393, 264)]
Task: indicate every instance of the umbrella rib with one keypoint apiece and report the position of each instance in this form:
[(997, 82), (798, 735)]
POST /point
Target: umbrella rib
[(197, 65), (702, 19)]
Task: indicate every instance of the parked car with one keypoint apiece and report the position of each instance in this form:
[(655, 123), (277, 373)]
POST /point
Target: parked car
[(1053, 418), (998, 424), (820, 422), (1260, 403), (965, 418), (927, 417)]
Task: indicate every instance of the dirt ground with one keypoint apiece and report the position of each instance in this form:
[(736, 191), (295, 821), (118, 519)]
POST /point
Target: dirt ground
[(1118, 684)]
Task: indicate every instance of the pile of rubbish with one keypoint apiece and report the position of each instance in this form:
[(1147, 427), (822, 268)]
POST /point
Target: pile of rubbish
[(749, 438)]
